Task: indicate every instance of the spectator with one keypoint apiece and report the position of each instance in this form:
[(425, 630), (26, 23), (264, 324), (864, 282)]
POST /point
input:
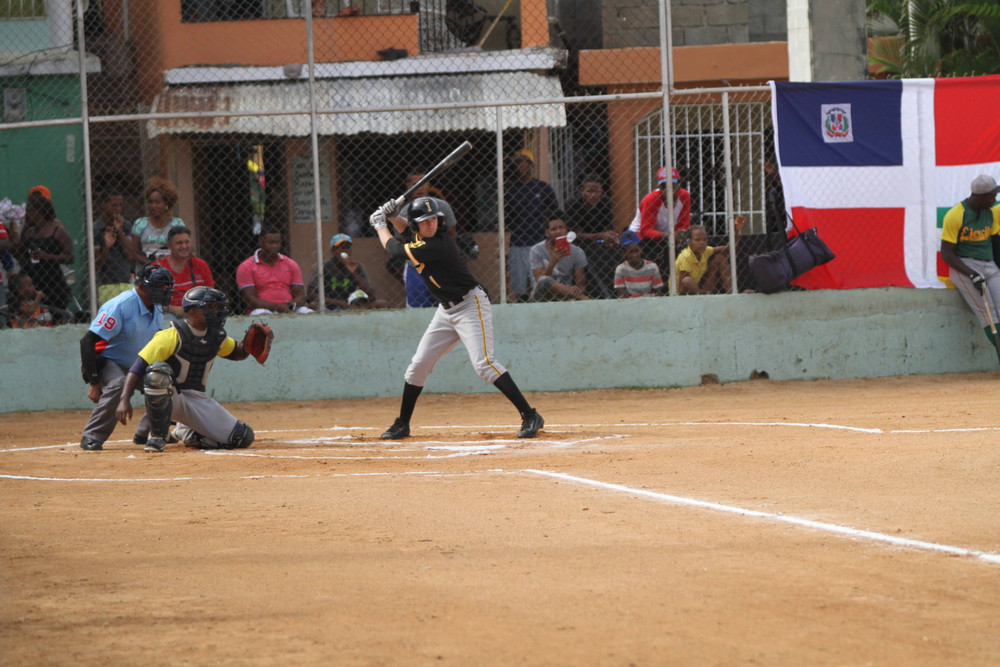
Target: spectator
[(417, 294), (343, 278), (559, 267), (27, 307), (636, 276), (970, 246), (116, 248), (589, 215), (269, 281), (122, 327), (188, 271), (654, 218), (4, 247), (528, 204), (702, 269), (44, 247), (161, 196)]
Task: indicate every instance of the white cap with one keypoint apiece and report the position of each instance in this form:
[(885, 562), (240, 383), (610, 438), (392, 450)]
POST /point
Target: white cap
[(983, 185), (356, 295)]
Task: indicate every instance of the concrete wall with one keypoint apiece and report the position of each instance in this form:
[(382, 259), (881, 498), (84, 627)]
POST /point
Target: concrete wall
[(565, 346), (768, 20), (631, 23)]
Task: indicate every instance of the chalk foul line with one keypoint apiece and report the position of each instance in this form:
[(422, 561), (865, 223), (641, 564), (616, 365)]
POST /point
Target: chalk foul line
[(784, 518)]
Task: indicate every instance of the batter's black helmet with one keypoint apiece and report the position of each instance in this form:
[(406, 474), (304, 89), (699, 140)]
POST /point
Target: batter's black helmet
[(159, 281), (422, 209), (201, 297)]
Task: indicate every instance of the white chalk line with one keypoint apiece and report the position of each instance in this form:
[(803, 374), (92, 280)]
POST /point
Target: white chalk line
[(552, 429), (784, 518), (423, 473)]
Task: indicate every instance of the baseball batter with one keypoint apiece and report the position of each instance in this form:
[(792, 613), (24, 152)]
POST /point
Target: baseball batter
[(464, 313), (970, 246), (123, 325), (174, 368)]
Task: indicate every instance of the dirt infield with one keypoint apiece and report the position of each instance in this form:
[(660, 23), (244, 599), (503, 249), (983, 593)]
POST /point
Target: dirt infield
[(765, 523)]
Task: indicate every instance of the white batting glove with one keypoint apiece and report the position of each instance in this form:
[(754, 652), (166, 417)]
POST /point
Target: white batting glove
[(378, 220), (389, 209)]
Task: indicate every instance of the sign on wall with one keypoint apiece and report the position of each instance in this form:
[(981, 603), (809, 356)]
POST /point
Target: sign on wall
[(303, 200)]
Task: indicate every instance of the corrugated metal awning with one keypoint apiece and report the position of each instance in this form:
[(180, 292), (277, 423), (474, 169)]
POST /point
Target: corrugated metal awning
[(287, 104)]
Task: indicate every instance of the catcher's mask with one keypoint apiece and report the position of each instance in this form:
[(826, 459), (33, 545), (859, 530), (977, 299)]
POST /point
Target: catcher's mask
[(422, 209), (159, 281), (214, 303)]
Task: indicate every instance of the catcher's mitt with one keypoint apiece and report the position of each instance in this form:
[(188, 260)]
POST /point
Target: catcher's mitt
[(257, 341)]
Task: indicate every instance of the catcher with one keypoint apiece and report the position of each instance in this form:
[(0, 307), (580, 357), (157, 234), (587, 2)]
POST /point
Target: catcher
[(174, 368)]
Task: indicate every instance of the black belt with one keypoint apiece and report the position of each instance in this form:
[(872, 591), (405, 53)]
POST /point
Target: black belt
[(448, 305)]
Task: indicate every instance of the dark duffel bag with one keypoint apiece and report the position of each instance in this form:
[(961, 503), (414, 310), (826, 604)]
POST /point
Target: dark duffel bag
[(774, 271)]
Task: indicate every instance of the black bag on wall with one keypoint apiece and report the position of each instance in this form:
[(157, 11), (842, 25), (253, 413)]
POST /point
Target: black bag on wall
[(774, 271)]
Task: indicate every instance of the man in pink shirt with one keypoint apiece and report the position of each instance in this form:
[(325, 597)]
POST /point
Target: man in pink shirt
[(269, 281)]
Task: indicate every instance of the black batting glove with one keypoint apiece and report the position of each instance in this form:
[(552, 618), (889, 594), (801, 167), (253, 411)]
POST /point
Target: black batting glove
[(978, 281)]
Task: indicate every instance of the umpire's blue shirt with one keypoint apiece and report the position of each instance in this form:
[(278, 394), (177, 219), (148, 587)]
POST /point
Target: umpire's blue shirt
[(126, 324)]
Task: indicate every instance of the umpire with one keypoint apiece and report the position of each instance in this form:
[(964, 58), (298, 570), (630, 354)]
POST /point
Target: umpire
[(970, 246), (122, 327), (464, 313)]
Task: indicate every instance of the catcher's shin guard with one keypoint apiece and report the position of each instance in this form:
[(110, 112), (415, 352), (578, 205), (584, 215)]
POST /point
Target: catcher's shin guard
[(241, 437), (156, 387)]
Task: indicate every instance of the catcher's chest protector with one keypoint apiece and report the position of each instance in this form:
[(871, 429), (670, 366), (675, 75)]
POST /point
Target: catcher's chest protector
[(194, 356)]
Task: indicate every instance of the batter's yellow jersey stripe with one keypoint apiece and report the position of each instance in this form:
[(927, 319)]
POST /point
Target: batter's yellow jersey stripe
[(482, 329)]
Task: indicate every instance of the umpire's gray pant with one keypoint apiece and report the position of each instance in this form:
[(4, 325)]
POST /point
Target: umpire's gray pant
[(102, 420)]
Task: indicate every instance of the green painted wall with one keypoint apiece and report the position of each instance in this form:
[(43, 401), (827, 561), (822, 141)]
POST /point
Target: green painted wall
[(49, 156), (564, 346)]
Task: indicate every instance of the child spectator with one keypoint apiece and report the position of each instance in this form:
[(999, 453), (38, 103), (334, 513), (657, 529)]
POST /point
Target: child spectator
[(636, 276), (702, 269), (26, 308)]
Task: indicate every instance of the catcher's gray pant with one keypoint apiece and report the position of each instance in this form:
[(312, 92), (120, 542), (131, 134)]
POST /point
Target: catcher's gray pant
[(469, 321), (971, 295), (102, 419), (202, 413)]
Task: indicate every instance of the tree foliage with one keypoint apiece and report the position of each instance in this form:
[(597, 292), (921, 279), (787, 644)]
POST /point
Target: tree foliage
[(934, 38)]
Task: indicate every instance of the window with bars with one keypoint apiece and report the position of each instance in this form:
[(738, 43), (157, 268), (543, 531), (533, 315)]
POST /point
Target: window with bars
[(22, 9), (698, 149)]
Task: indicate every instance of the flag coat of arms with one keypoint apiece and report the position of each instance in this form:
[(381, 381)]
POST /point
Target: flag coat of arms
[(875, 165)]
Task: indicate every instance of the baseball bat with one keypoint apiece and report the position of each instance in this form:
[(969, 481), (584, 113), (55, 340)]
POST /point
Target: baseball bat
[(993, 324), (452, 158)]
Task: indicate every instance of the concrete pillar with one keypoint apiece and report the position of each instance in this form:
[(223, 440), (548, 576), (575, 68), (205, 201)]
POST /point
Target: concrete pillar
[(60, 13), (827, 40)]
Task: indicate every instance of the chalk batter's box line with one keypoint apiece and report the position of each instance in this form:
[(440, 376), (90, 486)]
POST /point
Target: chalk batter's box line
[(836, 529), (842, 427), (847, 531)]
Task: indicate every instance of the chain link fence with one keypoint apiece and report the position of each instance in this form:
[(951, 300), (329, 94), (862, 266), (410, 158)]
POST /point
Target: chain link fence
[(234, 119)]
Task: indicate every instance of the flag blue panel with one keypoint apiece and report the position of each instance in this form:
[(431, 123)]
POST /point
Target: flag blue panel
[(874, 120)]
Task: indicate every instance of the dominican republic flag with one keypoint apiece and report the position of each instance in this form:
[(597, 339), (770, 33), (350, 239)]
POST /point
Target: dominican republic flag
[(875, 165)]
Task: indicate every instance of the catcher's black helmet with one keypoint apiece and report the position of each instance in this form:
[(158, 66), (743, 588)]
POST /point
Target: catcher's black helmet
[(160, 282), (422, 209), (203, 297)]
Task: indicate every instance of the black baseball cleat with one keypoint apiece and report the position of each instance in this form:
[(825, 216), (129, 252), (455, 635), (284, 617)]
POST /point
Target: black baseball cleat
[(154, 444), (91, 445), (140, 439), (530, 424), (397, 431)]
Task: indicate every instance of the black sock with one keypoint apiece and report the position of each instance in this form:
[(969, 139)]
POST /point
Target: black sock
[(411, 393), (505, 383)]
